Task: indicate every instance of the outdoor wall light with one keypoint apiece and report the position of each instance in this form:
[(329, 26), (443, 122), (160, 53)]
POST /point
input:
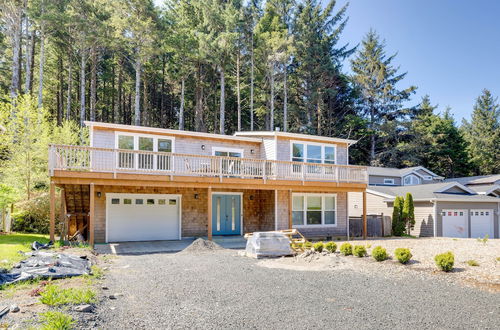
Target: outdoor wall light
[(251, 151), (99, 194), (202, 147), (251, 197), (195, 196)]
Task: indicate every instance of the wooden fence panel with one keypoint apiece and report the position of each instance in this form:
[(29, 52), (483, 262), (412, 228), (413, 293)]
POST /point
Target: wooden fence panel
[(375, 223)]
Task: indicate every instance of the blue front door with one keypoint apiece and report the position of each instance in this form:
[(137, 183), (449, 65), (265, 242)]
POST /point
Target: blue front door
[(226, 214)]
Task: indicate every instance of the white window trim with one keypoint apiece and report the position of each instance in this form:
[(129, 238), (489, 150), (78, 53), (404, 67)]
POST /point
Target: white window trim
[(224, 149), (427, 177), (322, 225), (136, 139), (388, 181), (411, 184), (322, 145)]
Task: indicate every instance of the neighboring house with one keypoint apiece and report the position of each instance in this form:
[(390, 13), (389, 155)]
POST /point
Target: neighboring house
[(484, 185), (447, 209), (387, 176), (140, 183)]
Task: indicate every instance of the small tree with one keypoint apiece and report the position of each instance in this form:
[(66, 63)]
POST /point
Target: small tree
[(398, 226), (408, 213)]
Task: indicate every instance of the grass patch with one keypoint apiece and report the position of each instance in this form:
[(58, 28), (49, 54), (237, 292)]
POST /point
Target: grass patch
[(9, 289), (57, 320), (11, 244), (55, 296), (472, 263)]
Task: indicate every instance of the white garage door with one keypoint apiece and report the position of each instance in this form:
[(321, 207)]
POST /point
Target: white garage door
[(481, 222), (142, 217), (455, 223)]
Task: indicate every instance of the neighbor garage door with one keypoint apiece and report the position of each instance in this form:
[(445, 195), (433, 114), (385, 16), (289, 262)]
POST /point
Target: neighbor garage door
[(455, 223), (142, 217), (481, 223)]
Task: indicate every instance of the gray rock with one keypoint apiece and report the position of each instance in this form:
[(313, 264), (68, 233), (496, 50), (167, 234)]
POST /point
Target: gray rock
[(14, 308), (83, 308)]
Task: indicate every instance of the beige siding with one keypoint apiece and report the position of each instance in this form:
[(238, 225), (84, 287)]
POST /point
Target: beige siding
[(468, 206), (379, 180), (192, 145), (283, 214), (374, 205), (424, 220), (103, 138), (455, 190), (268, 149)]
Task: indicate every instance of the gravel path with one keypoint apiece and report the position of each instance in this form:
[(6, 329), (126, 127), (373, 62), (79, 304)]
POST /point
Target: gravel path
[(223, 290)]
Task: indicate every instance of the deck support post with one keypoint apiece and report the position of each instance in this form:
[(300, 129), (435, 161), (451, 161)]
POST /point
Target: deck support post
[(364, 215), (63, 214), (52, 196), (209, 212), (91, 215), (290, 222)]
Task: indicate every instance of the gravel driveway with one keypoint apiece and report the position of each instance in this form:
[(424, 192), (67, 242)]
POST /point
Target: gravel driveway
[(223, 290)]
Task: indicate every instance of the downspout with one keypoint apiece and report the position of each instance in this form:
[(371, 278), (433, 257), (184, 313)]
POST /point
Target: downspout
[(347, 208), (275, 209), (434, 223)]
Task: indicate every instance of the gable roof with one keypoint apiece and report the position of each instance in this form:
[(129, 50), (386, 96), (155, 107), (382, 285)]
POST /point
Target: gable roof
[(479, 179), (399, 172), (166, 131), (485, 189), (297, 136), (431, 192)]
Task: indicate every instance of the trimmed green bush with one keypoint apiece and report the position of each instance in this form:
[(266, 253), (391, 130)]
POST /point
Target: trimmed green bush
[(473, 263), (359, 251), (445, 261), (346, 249), (379, 253), (331, 247), (403, 255), (318, 247), (308, 245)]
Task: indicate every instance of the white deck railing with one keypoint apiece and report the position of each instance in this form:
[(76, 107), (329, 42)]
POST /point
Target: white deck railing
[(90, 159)]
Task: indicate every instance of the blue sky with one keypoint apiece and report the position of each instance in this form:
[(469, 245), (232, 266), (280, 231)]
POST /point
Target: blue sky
[(450, 48)]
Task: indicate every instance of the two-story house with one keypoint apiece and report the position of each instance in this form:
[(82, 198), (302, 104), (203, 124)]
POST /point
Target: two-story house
[(138, 183), (463, 207)]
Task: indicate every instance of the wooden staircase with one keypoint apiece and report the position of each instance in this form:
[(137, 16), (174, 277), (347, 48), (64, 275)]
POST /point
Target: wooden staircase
[(77, 207)]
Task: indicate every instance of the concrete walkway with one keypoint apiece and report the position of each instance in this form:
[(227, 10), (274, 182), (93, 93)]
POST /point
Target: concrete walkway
[(124, 248)]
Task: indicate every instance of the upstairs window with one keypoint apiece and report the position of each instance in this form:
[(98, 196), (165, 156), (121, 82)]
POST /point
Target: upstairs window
[(313, 153), (388, 181), (411, 180)]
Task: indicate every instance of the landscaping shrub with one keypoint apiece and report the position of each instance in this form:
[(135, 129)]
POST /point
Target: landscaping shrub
[(379, 253), (346, 249), (57, 320), (331, 247), (359, 251), (308, 245), (318, 247), (32, 216), (403, 255), (445, 261), (472, 263)]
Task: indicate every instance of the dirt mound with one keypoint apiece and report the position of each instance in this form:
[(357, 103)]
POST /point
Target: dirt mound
[(200, 246)]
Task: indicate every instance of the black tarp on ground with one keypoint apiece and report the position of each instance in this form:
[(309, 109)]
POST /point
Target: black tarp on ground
[(47, 265)]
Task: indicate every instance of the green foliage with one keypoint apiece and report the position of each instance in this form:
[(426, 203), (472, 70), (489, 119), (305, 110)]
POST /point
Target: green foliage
[(346, 249), (408, 213), (379, 253), (32, 216), (308, 245), (55, 296), (11, 244), (359, 251), (472, 263), (52, 320), (403, 255), (398, 225), (331, 247), (482, 134), (483, 240), (7, 196), (445, 261), (318, 247)]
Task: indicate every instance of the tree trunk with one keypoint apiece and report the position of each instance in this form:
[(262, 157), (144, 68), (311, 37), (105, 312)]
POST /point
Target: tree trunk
[(16, 52), (251, 83), (30, 60), (318, 115), (93, 83), (181, 108), (121, 114), (222, 100), (70, 83), (372, 146), (113, 103), (146, 114), (60, 103), (137, 103), (40, 71), (83, 64), (285, 101), (199, 124), (238, 94), (271, 115)]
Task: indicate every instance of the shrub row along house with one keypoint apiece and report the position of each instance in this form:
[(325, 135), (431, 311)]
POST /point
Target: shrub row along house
[(138, 183), (460, 207)]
